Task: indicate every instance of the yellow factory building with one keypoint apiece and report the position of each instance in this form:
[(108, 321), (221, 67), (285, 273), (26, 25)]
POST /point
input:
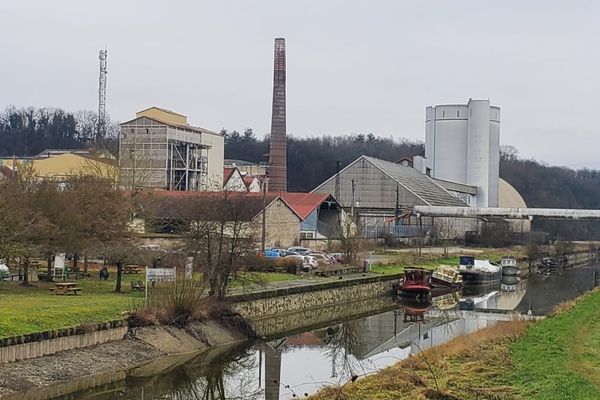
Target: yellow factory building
[(60, 165)]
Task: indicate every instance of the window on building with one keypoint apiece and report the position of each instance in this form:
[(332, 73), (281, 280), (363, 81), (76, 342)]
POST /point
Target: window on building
[(443, 114), (458, 113)]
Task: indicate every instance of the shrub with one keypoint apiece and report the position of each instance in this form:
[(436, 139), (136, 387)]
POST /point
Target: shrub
[(173, 304)]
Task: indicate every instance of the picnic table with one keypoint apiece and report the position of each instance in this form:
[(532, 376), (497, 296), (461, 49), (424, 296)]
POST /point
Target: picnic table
[(65, 288), (132, 269)]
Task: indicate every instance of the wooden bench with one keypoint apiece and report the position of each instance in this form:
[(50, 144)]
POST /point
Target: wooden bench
[(137, 286)]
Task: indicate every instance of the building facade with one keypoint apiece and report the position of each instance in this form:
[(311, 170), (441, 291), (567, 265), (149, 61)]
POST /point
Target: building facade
[(159, 149)]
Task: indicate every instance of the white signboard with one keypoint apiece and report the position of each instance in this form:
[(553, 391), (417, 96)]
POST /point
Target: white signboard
[(189, 268), (59, 261), (161, 274)]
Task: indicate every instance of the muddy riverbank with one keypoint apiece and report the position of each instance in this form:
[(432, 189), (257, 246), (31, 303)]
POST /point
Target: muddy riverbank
[(144, 352)]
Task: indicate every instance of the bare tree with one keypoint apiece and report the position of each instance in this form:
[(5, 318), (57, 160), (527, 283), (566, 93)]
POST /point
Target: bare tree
[(217, 229), (445, 232), (350, 235)]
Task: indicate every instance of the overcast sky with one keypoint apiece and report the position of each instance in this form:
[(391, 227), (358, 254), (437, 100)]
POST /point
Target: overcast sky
[(353, 66)]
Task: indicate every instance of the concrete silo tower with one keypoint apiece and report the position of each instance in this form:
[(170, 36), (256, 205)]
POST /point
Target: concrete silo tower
[(462, 144)]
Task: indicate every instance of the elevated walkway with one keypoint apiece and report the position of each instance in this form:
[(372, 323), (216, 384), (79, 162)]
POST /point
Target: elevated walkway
[(507, 213)]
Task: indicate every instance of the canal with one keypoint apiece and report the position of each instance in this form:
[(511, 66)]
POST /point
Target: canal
[(301, 363)]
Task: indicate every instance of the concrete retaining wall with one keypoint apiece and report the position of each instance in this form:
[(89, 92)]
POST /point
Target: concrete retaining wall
[(581, 258), (295, 299), (22, 348)]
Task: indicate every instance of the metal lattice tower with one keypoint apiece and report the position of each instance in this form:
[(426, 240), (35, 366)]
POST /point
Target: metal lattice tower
[(277, 151), (102, 96)]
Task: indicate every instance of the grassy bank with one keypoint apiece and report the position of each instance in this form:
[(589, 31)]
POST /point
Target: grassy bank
[(25, 310), (560, 357), (556, 358), (33, 309)]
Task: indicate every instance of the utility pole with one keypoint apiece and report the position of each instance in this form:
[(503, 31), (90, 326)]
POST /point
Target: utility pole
[(353, 190), (338, 167), (397, 210)]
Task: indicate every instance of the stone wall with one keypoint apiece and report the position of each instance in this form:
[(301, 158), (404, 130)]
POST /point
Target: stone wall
[(294, 299), (315, 318), (581, 258)]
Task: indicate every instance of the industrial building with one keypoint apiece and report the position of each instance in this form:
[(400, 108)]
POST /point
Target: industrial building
[(460, 169), (374, 191), (59, 165), (462, 145), (159, 149)]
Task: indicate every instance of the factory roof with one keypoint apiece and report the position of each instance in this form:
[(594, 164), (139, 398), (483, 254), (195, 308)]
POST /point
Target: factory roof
[(417, 183), (456, 187)]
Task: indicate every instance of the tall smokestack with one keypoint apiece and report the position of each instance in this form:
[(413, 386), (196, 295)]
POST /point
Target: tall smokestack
[(277, 152)]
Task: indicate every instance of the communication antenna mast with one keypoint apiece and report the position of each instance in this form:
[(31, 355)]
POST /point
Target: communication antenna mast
[(102, 96)]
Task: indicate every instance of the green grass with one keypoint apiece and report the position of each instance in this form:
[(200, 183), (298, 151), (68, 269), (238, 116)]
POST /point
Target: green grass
[(25, 310), (35, 309), (559, 357), (426, 264)]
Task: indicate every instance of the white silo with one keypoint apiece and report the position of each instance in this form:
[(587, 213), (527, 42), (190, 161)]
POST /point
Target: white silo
[(462, 145), (447, 126)]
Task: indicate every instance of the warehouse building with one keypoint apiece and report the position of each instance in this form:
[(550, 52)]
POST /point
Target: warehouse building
[(159, 149), (376, 192)]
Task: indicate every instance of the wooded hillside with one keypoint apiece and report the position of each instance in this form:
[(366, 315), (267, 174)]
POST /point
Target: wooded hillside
[(29, 131)]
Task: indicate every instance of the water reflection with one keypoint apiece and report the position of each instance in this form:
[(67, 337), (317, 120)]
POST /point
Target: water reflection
[(302, 363)]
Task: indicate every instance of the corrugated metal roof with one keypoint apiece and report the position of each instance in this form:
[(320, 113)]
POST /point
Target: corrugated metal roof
[(419, 184)]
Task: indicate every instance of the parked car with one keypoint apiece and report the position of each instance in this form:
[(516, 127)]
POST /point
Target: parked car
[(299, 250), (322, 258), (338, 257), (285, 253), (270, 254), (307, 263)]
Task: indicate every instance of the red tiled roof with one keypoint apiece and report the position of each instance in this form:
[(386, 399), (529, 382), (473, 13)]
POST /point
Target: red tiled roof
[(304, 203)]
